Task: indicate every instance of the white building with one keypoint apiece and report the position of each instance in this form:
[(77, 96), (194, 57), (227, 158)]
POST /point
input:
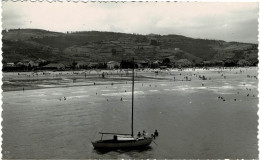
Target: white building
[(112, 64)]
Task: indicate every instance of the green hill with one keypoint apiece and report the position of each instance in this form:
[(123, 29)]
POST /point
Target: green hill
[(95, 46)]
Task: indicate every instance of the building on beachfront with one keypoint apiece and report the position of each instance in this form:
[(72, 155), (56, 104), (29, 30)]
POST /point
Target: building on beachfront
[(156, 64), (142, 63), (230, 62), (219, 63), (243, 63), (33, 64), (163, 67), (113, 65), (82, 65), (19, 64), (26, 62), (93, 65), (10, 64), (41, 62), (207, 63), (54, 66)]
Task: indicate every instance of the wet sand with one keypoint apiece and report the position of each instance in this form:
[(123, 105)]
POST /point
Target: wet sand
[(192, 120)]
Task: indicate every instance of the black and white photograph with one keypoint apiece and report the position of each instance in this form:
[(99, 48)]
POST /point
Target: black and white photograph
[(129, 80)]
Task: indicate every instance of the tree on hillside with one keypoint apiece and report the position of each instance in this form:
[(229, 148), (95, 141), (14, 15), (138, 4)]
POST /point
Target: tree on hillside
[(74, 65), (230, 63), (154, 42), (113, 51), (238, 54), (127, 64), (167, 62), (179, 55)]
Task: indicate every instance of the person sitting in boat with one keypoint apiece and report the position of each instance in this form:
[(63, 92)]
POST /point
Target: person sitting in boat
[(156, 133), (115, 137), (144, 133), (139, 135)]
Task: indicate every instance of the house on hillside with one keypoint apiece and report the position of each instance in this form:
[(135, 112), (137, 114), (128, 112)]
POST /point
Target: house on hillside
[(144, 47), (183, 63), (154, 41), (115, 42), (113, 65), (54, 66), (129, 52), (90, 46), (117, 50), (125, 40)]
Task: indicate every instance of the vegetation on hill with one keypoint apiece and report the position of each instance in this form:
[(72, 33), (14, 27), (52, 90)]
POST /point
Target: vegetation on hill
[(95, 46)]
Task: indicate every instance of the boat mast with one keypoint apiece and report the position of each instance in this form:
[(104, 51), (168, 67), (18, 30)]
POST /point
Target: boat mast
[(133, 79)]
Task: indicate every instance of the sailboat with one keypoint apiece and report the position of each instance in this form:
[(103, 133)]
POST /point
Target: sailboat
[(121, 141)]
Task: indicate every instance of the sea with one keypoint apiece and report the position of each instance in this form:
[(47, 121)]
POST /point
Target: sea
[(212, 118)]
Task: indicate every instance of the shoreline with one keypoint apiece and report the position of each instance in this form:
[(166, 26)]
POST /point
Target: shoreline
[(16, 81)]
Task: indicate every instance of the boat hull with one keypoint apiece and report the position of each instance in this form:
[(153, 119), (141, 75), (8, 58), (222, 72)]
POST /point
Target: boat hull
[(111, 144)]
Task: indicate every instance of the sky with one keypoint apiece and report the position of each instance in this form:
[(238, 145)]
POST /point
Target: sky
[(228, 21)]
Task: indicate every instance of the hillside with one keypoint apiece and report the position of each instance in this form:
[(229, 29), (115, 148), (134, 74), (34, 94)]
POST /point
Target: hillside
[(94, 46)]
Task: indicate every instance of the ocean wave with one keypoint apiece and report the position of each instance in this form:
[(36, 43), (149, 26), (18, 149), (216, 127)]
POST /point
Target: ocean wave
[(123, 93)]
